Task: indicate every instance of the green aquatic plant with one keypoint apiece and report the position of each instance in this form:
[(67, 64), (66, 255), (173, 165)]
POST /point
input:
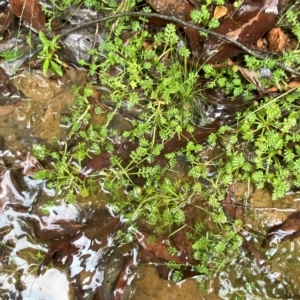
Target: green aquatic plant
[(48, 54), (154, 79), (145, 79), (263, 145), (202, 15)]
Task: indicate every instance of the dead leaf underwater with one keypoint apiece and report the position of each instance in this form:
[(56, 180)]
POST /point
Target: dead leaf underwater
[(159, 246), (6, 110), (246, 25), (8, 189), (286, 231)]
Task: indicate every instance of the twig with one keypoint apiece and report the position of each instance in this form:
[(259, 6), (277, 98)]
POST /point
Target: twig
[(187, 24)]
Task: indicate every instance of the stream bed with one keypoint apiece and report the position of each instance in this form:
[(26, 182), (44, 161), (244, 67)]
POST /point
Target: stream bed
[(81, 250), (72, 251)]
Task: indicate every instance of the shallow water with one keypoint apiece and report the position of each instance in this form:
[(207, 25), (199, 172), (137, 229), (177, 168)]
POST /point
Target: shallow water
[(74, 248)]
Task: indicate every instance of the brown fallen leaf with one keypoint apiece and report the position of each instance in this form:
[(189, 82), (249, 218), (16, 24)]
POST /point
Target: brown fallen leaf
[(261, 44), (228, 207), (248, 24), (8, 189), (6, 110), (6, 18), (252, 77), (288, 230), (103, 230), (180, 239), (30, 12), (122, 281), (97, 163), (197, 136), (248, 243), (4, 82), (29, 164), (293, 84), (124, 150), (94, 99), (290, 85), (180, 9), (220, 11), (63, 248), (159, 247), (276, 39), (232, 214), (59, 249), (47, 229)]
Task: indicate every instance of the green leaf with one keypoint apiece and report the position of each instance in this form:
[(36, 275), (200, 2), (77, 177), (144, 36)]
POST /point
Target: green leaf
[(42, 37), (11, 55), (56, 68), (45, 66)]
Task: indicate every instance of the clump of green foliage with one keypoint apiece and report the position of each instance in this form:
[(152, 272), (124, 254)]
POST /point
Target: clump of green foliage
[(203, 14), (68, 163), (48, 54), (154, 80), (264, 145)]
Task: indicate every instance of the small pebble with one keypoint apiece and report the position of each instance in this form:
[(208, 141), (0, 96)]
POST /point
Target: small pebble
[(265, 73)]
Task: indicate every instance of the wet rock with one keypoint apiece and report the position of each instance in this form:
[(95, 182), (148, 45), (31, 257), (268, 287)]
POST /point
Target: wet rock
[(261, 211), (54, 284), (148, 286), (79, 44), (288, 230), (38, 120), (112, 269), (242, 190)]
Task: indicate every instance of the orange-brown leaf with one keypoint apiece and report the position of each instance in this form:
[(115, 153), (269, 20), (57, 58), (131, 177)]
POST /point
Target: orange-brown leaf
[(248, 24), (6, 110), (6, 18), (30, 12), (276, 39), (220, 11), (159, 247)]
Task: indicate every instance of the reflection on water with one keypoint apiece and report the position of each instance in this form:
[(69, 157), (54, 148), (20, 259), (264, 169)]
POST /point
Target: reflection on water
[(74, 250)]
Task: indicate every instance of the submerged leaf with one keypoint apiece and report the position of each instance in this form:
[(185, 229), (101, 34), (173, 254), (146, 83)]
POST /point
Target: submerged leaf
[(288, 230), (30, 165), (8, 189), (122, 281), (98, 163), (180, 9), (6, 110), (159, 246)]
